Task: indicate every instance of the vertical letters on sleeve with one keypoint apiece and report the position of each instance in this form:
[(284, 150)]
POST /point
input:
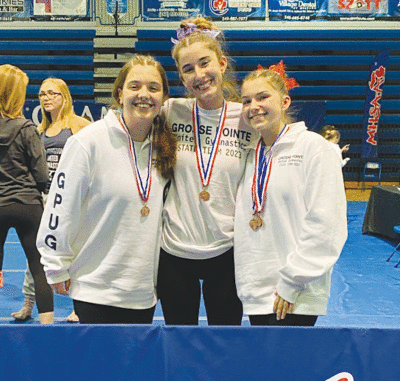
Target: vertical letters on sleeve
[(51, 240)]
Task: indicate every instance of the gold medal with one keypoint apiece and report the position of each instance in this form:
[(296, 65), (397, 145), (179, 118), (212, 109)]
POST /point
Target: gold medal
[(259, 221), (253, 224), (204, 166), (256, 222), (145, 211), (204, 195)]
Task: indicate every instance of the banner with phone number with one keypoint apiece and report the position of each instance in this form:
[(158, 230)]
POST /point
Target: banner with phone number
[(219, 10)]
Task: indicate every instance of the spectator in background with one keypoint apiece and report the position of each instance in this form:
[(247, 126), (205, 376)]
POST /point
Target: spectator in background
[(332, 135), (23, 176), (59, 122)]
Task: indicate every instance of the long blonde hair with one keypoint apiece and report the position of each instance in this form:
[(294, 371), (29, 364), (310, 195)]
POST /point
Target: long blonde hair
[(164, 140), (66, 112), (229, 84), (13, 83)]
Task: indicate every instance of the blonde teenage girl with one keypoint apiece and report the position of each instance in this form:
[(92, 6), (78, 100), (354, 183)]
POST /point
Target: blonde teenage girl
[(290, 221), (59, 122)]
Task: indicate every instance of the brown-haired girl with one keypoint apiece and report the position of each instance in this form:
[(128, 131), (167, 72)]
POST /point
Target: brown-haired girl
[(100, 233), (197, 240), (290, 221)]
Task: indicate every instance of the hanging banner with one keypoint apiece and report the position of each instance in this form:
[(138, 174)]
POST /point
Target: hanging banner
[(362, 9), (292, 10), (376, 80), (45, 10), (219, 10), (61, 10), (15, 10)]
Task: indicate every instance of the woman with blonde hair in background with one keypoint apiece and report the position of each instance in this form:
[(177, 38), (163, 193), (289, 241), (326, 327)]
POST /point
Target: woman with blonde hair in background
[(332, 135), (59, 122), (23, 176)]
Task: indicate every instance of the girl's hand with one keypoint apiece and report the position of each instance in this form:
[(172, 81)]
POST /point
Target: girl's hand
[(62, 287), (282, 307), (346, 148)]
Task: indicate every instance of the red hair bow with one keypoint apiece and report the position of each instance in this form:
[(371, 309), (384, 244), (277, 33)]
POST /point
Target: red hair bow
[(279, 68)]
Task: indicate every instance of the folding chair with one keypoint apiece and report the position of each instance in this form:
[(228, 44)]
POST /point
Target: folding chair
[(372, 172), (397, 230)]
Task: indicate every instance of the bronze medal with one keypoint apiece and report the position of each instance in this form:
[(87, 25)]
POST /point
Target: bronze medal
[(256, 222), (259, 221), (253, 224), (145, 211), (204, 195)]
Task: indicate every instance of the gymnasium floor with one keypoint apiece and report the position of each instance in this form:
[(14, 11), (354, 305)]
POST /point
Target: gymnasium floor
[(365, 288)]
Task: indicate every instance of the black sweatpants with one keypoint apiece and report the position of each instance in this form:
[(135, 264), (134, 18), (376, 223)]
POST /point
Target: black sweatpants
[(179, 289), (91, 313), (26, 219)]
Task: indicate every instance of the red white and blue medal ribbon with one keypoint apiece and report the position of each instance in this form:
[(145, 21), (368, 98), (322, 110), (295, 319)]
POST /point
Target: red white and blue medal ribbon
[(262, 173), (205, 169), (142, 186)]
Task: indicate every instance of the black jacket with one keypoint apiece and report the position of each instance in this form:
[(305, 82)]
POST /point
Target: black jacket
[(23, 167)]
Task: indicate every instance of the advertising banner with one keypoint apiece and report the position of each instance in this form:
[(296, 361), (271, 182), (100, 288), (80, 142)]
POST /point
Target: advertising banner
[(45, 10), (376, 80), (219, 10), (360, 9), (293, 10)]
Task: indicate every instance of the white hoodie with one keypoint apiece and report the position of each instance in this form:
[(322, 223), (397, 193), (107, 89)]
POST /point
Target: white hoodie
[(304, 226), (92, 231)]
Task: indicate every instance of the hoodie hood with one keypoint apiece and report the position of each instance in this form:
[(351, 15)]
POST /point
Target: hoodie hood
[(9, 129)]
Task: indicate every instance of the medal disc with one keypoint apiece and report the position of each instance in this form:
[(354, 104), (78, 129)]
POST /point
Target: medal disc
[(204, 195), (258, 221), (145, 211), (253, 224)]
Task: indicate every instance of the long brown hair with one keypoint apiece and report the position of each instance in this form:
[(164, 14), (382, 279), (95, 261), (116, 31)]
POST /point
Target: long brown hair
[(164, 140)]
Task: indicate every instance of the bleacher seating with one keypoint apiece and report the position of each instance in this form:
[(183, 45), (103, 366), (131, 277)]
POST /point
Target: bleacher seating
[(62, 53), (331, 65)]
